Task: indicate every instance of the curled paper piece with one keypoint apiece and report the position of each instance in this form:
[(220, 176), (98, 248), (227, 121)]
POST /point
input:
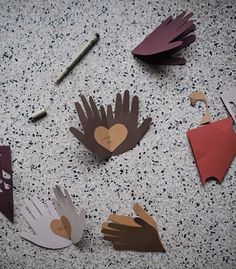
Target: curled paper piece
[(66, 209), (167, 39), (6, 183), (200, 96), (214, 148), (106, 133), (137, 234), (49, 229), (229, 99), (55, 225)]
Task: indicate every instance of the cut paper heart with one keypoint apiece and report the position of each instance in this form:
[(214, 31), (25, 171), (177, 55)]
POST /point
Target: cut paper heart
[(229, 99), (111, 138), (167, 39), (137, 234), (6, 183), (61, 227), (106, 133), (55, 225), (214, 148)]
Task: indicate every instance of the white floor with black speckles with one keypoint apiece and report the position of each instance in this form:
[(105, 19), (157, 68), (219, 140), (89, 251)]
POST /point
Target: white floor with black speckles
[(37, 39)]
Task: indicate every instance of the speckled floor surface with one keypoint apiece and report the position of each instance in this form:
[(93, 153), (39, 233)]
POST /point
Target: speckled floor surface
[(37, 39)]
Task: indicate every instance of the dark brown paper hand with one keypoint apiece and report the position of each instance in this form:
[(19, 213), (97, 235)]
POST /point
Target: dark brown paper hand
[(107, 133), (138, 234)]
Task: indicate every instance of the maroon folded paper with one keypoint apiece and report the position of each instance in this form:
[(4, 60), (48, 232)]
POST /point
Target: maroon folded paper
[(167, 39), (6, 183), (214, 148)]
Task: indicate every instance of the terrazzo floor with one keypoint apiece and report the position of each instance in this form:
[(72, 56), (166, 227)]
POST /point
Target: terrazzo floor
[(37, 39)]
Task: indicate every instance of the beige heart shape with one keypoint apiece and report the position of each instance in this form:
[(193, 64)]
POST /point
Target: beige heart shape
[(111, 138), (61, 227)]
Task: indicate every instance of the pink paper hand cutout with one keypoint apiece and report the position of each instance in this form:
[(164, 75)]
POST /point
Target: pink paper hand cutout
[(6, 184), (214, 148)]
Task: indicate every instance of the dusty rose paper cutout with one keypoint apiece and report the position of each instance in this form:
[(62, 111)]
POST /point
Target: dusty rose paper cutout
[(229, 99), (214, 148), (49, 229), (65, 208), (6, 183), (137, 234), (106, 133), (167, 39)]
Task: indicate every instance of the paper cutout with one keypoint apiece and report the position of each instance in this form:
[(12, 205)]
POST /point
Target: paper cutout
[(6, 183), (106, 133), (41, 218), (137, 234), (229, 99), (214, 148), (111, 138), (66, 209), (167, 39), (200, 96), (61, 227), (55, 225)]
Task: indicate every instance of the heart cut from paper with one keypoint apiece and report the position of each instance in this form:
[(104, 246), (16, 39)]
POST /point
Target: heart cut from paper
[(61, 227), (111, 138)]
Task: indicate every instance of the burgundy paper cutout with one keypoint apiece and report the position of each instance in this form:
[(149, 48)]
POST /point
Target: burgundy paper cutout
[(6, 183), (167, 39), (214, 148)]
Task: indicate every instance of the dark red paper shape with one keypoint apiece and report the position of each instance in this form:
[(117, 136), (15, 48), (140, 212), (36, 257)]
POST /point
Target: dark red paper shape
[(6, 183), (214, 148), (167, 39)]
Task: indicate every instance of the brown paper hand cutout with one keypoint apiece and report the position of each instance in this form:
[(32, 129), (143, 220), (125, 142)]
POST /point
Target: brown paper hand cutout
[(137, 234), (200, 96), (107, 133)]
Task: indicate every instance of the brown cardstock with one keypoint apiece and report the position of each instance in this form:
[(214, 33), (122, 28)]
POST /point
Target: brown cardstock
[(107, 133), (61, 227), (137, 234), (200, 96)]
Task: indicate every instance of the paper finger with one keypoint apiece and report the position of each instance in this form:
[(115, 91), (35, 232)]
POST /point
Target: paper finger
[(32, 208), (94, 108), (87, 107), (40, 206), (123, 220), (126, 102), (143, 215), (28, 217), (118, 105)]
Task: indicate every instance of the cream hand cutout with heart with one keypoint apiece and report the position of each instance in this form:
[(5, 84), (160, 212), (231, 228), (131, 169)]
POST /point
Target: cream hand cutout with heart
[(111, 138)]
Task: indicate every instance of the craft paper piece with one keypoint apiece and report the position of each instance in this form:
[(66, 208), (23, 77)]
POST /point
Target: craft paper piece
[(229, 99), (200, 96), (50, 230), (137, 234), (214, 148), (6, 183), (55, 225), (107, 133), (66, 209), (167, 39)]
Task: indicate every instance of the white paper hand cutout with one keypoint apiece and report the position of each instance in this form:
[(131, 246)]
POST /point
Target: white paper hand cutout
[(65, 207), (49, 230)]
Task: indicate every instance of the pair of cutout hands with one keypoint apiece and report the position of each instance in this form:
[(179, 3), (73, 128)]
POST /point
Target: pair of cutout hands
[(107, 133), (55, 224)]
